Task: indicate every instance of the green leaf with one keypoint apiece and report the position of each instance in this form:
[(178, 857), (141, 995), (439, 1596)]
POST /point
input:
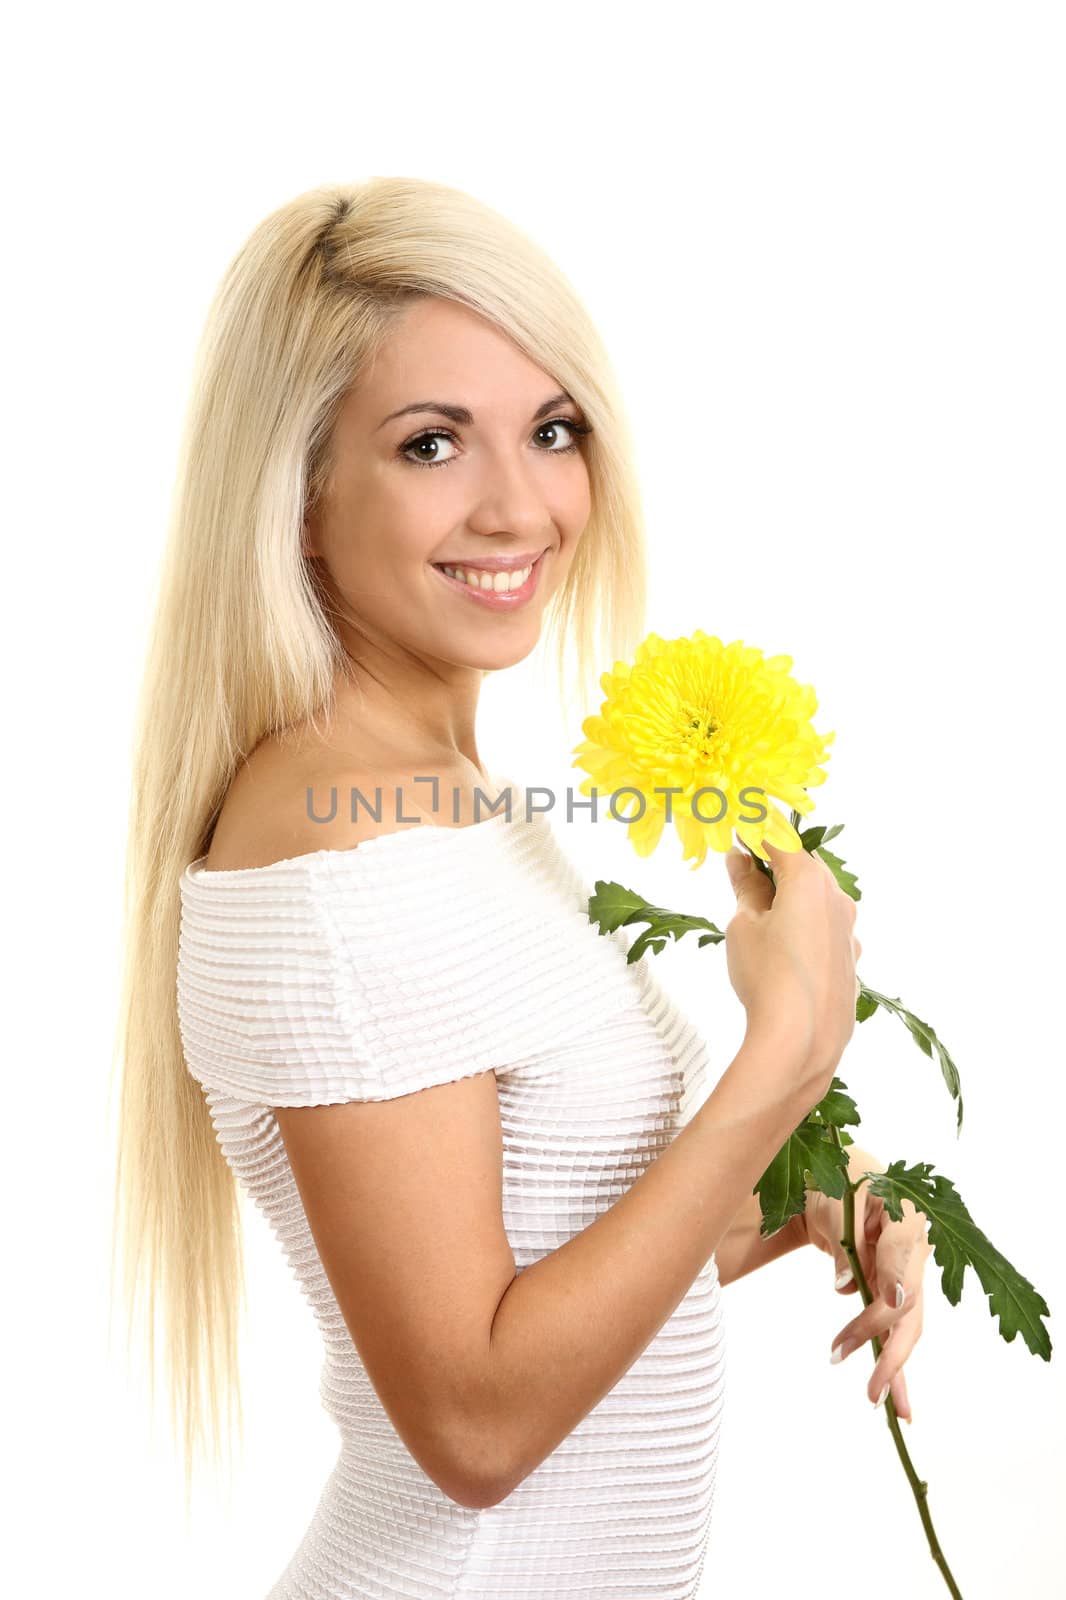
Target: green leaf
[(811, 838), (844, 878), (614, 906), (926, 1038), (808, 1159), (957, 1242), (811, 1159), (836, 1107), (866, 1004)]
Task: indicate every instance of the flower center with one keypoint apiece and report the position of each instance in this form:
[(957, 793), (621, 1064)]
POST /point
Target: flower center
[(701, 729)]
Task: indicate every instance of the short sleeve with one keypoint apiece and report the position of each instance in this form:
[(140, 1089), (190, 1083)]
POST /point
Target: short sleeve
[(413, 959), (281, 1003)]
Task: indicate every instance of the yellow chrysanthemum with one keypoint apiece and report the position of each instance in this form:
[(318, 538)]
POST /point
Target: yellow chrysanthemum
[(695, 714)]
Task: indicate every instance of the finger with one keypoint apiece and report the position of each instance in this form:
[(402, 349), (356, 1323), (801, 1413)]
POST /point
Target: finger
[(895, 1350), (892, 1255), (844, 1278), (783, 861), (900, 1399), (876, 1318), (753, 889), (888, 1379)]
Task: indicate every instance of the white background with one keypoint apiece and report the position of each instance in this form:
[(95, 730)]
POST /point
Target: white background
[(824, 244)]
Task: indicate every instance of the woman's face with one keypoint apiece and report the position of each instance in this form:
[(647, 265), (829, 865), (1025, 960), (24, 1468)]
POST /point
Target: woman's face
[(500, 482)]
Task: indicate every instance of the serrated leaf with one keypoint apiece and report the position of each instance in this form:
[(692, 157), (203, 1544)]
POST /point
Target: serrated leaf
[(957, 1242), (808, 1159), (835, 1108), (925, 1037), (614, 906), (781, 1193)]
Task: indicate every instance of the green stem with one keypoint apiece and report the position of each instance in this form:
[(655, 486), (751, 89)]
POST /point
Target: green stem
[(919, 1487)]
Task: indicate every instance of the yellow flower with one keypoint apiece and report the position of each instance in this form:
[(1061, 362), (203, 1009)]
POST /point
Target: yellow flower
[(694, 714)]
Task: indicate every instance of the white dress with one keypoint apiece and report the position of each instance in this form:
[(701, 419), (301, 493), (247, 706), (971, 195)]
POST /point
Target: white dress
[(375, 971)]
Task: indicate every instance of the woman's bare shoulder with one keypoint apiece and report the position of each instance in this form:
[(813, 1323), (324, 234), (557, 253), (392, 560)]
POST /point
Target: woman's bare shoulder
[(279, 805), (292, 796)]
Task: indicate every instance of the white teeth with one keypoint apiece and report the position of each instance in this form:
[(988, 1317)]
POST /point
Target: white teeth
[(500, 582)]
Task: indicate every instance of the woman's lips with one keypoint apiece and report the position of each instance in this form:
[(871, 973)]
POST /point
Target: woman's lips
[(497, 600)]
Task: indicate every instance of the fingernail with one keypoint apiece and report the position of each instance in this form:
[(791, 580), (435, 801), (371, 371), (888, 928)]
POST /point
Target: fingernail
[(841, 1350), (844, 1277), (894, 1299), (881, 1397)]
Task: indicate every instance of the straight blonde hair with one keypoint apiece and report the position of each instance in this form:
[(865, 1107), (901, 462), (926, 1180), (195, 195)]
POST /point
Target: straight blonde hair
[(242, 648)]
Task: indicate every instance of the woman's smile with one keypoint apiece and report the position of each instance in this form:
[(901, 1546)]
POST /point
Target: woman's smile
[(484, 592)]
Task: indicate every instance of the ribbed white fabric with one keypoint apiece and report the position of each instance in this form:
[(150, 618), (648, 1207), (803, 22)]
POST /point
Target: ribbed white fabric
[(371, 972)]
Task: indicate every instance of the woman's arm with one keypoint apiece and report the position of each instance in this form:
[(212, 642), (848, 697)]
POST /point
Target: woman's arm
[(743, 1249), (573, 1322)]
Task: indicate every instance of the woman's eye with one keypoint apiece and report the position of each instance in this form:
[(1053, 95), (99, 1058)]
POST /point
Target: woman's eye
[(561, 422), (432, 438), (425, 439)]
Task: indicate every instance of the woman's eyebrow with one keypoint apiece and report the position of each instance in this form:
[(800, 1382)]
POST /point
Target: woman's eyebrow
[(462, 415)]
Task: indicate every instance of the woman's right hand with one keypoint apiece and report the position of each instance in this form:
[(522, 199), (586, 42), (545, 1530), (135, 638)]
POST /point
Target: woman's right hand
[(791, 954)]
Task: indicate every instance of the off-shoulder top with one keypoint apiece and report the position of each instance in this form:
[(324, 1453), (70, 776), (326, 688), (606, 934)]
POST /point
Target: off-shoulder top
[(417, 958)]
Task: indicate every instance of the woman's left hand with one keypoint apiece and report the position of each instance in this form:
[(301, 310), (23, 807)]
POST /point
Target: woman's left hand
[(890, 1253)]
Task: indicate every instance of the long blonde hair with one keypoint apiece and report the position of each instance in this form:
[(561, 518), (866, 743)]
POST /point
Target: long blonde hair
[(242, 648)]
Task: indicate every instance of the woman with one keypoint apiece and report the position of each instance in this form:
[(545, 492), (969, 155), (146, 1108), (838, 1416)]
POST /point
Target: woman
[(466, 1116)]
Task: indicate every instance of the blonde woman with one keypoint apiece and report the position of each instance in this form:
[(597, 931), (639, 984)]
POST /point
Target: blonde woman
[(367, 993)]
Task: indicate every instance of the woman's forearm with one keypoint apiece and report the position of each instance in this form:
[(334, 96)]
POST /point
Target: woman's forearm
[(744, 1249), (572, 1323)]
